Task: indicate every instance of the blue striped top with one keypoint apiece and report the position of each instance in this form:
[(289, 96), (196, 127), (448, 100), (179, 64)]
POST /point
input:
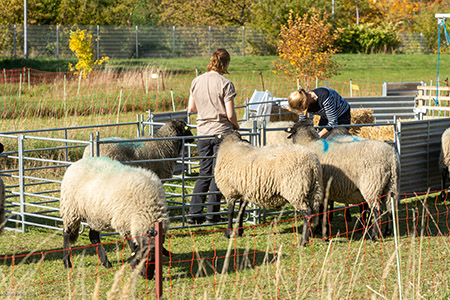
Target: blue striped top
[(329, 105)]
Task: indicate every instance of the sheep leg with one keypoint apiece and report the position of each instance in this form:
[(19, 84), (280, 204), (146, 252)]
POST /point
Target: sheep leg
[(242, 205), (306, 223), (375, 234), (66, 247), (134, 248), (444, 176), (94, 237), (229, 230)]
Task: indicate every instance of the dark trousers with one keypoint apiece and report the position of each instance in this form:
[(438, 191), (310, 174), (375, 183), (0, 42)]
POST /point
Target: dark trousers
[(345, 118), (206, 147)]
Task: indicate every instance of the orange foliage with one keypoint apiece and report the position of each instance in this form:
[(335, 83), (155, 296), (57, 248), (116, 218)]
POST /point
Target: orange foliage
[(305, 48)]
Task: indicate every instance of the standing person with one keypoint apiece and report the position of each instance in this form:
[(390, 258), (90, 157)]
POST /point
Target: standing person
[(212, 97), (325, 102)]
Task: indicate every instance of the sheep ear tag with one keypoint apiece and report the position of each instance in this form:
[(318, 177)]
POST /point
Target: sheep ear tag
[(186, 127)]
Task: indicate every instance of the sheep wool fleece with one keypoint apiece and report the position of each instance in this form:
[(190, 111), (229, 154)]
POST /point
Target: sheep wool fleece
[(269, 176), (111, 196)]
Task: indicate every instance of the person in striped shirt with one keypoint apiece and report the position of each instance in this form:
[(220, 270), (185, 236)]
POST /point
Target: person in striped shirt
[(324, 102)]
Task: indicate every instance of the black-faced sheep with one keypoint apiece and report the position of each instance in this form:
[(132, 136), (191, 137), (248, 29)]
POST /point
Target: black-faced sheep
[(150, 150), (444, 159), (110, 196), (270, 177), (361, 170), (273, 137)]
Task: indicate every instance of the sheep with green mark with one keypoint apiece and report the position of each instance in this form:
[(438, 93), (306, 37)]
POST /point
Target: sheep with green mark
[(110, 196), (360, 170), (150, 150)]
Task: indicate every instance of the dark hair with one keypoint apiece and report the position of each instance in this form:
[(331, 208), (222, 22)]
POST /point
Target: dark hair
[(219, 61)]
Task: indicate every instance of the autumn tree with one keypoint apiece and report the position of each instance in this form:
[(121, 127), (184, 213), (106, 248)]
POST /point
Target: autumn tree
[(305, 48), (205, 12)]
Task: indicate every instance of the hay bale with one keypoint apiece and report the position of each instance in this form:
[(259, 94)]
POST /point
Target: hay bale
[(379, 133), (359, 116), (279, 114)]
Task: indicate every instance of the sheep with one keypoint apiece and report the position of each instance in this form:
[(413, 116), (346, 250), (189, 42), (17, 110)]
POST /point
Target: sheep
[(273, 137), (149, 150), (361, 170), (110, 196), (270, 176), (444, 160)]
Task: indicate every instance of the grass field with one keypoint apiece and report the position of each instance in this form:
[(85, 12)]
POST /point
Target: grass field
[(267, 263)]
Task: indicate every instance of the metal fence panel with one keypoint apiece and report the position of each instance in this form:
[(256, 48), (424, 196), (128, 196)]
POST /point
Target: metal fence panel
[(419, 145), (122, 42), (385, 108)]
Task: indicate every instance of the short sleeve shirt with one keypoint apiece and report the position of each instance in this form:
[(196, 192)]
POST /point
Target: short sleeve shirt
[(210, 91)]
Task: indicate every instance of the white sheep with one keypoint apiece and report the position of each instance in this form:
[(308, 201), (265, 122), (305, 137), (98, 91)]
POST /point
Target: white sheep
[(150, 150), (270, 177), (444, 159), (361, 170), (273, 137), (110, 196)]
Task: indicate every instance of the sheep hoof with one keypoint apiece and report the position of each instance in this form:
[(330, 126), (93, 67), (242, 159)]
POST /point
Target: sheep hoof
[(228, 233), (67, 264), (240, 232)]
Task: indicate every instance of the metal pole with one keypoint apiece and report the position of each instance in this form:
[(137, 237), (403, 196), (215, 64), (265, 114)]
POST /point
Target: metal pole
[(25, 30), (98, 42), (173, 41), (57, 42), (209, 40), (21, 181), (137, 43), (15, 41), (243, 40)]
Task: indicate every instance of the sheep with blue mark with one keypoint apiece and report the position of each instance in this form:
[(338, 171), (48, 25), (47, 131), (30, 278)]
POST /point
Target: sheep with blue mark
[(269, 176), (110, 196), (150, 150), (444, 160), (360, 170)]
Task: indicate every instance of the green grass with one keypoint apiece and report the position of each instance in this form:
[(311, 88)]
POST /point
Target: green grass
[(266, 263)]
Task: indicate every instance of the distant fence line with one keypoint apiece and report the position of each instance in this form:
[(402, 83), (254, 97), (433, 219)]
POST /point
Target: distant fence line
[(124, 42)]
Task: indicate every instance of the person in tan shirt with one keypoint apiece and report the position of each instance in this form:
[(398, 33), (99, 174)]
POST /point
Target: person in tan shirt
[(212, 98)]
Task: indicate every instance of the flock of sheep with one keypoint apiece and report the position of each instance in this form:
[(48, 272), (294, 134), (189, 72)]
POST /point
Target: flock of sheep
[(295, 167)]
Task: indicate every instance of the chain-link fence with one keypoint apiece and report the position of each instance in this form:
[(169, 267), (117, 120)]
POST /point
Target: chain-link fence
[(122, 42), (52, 41)]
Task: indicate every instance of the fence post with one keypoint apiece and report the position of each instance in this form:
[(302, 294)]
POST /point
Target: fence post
[(173, 41), (57, 42), (137, 43), (158, 261), (394, 221), (243, 40), (98, 42), (209, 41), (21, 180), (15, 41)]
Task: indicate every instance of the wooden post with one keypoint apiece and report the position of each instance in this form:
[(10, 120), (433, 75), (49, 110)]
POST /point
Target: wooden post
[(158, 261)]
